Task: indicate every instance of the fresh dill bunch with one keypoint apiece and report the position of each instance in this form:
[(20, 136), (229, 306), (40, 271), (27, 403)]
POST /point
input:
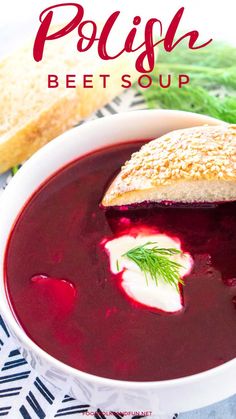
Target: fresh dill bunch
[(156, 262), (212, 87)]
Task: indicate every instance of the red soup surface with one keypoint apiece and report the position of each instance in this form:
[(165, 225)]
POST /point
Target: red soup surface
[(69, 303)]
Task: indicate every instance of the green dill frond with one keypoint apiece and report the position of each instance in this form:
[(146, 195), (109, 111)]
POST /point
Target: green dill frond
[(212, 87), (156, 262)]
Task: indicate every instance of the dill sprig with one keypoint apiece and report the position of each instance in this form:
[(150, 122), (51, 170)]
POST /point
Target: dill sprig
[(156, 262), (15, 169), (212, 87)]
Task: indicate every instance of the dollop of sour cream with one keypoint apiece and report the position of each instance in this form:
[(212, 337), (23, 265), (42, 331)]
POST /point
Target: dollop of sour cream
[(143, 289)]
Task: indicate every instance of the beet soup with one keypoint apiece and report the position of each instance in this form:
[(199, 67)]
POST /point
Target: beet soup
[(67, 300)]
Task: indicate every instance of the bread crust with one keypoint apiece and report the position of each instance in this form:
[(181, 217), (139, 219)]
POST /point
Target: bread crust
[(191, 165), (32, 115)]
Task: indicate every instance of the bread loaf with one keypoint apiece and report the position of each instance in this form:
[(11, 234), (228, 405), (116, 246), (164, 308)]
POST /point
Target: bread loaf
[(31, 114)]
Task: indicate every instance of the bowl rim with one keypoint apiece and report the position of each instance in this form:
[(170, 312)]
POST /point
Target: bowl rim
[(8, 312)]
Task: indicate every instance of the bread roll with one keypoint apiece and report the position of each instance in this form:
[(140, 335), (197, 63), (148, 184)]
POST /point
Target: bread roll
[(195, 165)]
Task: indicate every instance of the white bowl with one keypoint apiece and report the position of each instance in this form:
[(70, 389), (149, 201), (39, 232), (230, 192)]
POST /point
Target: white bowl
[(159, 397)]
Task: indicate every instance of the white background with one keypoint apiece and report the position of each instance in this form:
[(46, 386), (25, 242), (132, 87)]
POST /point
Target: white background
[(213, 18)]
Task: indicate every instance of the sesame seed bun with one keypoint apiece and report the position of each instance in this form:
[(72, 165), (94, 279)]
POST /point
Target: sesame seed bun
[(195, 165)]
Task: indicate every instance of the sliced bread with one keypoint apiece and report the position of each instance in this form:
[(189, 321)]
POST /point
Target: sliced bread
[(31, 114)]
